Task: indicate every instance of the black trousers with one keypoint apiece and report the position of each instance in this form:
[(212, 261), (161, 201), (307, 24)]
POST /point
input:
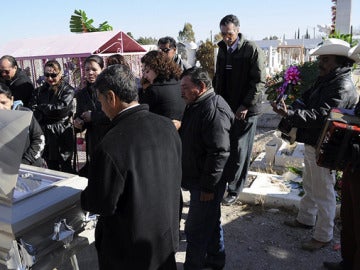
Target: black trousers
[(241, 144), (350, 219)]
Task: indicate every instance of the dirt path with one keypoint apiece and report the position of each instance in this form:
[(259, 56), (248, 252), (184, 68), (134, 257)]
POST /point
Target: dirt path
[(255, 237)]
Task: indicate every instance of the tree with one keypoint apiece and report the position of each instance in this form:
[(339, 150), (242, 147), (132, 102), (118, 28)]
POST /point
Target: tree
[(130, 35), (271, 38), (218, 37), (307, 36), (187, 34), (147, 40), (79, 23), (206, 56)]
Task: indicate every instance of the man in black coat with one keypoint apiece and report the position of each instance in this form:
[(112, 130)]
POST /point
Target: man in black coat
[(205, 134), (16, 79), (240, 80), (134, 180)]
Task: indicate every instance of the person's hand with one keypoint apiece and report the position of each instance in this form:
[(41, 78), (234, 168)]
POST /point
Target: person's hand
[(280, 108), (177, 124), (206, 196), (241, 113), (86, 116), (78, 123)]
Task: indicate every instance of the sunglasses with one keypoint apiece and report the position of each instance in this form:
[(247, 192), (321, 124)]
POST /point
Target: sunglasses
[(7, 72), (165, 50), (52, 75)]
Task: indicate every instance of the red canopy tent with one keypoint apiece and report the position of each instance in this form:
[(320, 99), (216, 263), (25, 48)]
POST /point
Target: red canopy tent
[(70, 50)]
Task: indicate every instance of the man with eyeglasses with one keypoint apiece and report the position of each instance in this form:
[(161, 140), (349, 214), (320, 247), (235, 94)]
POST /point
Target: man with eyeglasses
[(240, 80), (16, 79), (168, 46)]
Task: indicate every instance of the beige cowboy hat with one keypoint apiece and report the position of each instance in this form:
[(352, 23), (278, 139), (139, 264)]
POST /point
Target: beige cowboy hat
[(354, 53), (332, 46)]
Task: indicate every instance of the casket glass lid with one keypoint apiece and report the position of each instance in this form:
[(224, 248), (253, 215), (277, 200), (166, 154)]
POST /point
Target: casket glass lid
[(14, 129)]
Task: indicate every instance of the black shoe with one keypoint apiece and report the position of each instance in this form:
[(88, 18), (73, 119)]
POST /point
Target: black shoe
[(296, 224), (229, 199), (333, 265), (208, 267), (215, 264)]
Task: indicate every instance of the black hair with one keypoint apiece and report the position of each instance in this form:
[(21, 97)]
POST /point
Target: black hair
[(197, 76), (11, 59), (120, 80), (95, 58), (4, 89), (54, 64), (230, 19), (166, 40), (116, 59)]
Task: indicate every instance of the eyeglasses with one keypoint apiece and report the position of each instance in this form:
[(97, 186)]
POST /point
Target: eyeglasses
[(7, 72), (52, 75), (165, 50)]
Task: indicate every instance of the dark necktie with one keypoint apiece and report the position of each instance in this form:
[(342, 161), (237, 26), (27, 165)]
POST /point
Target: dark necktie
[(228, 59)]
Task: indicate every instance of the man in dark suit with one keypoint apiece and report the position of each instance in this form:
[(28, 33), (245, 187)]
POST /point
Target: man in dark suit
[(16, 79), (240, 80), (134, 180)]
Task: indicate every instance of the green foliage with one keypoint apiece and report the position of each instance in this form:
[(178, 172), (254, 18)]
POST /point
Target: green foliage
[(345, 37), (205, 55), (308, 74), (187, 34), (79, 23), (295, 170), (147, 41)]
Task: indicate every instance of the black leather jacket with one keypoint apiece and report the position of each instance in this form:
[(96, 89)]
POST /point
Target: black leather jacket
[(333, 90), (53, 110)]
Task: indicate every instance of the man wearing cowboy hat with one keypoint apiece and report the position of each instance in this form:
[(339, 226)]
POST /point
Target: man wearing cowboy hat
[(334, 87), (350, 202)]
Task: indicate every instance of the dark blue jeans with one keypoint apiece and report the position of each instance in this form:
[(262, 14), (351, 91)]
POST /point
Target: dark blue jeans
[(241, 140), (204, 233)]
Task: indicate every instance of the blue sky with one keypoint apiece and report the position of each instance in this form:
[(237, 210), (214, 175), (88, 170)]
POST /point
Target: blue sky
[(258, 18)]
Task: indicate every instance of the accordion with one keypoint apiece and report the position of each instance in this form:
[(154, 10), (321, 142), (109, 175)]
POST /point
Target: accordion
[(340, 132)]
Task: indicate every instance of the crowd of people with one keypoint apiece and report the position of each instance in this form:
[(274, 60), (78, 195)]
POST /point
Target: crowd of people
[(176, 128)]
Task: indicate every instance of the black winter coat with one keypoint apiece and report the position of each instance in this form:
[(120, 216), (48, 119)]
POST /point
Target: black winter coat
[(21, 87), (35, 142), (164, 98), (86, 100), (53, 112), (335, 90), (247, 80), (205, 135), (134, 185)]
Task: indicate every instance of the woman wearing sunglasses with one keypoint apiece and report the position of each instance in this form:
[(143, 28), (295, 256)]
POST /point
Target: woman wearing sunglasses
[(53, 108), (89, 115)]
